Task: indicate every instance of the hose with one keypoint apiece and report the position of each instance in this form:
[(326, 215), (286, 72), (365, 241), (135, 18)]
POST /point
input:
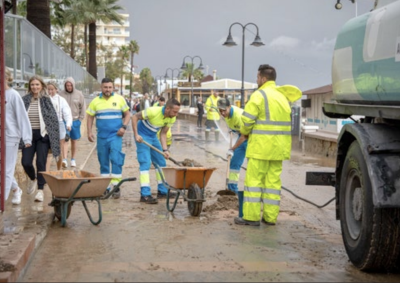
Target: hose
[(284, 188)]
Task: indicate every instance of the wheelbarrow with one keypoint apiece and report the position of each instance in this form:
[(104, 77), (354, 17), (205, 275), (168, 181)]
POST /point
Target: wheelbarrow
[(188, 181), (182, 179), (68, 186)]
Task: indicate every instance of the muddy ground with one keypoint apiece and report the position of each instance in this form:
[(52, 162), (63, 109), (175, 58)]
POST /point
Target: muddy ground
[(140, 242)]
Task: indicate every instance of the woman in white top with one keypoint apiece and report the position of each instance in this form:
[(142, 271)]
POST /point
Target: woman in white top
[(64, 118), (17, 127)]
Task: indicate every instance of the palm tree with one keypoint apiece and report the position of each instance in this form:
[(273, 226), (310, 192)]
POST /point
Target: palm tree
[(106, 11), (191, 71), (123, 53), (69, 12), (133, 47), (38, 13), (146, 79)]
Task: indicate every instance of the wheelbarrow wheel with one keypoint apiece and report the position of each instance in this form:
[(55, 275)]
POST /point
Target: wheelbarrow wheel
[(195, 207), (57, 210)]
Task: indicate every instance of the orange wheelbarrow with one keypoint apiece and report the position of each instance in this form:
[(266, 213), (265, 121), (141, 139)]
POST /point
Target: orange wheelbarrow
[(68, 186), (188, 181)]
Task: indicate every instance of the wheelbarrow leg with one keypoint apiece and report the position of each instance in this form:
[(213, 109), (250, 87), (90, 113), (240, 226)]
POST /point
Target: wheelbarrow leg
[(175, 201), (63, 210), (90, 216)]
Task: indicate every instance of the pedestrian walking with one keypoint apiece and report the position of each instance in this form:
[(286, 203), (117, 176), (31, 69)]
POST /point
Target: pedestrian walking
[(233, 118), (64, 116), (45, 134), (145, 126), (76, 102), (17, 127), (136, 106), (200, 112), (112, 117), (212, 115), (145, 102), (267, 121)]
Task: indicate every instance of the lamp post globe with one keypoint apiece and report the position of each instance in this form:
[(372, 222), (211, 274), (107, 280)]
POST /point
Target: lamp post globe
[(230, 42)]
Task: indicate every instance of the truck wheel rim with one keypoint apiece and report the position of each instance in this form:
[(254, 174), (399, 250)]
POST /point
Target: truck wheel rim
[(354, 204)]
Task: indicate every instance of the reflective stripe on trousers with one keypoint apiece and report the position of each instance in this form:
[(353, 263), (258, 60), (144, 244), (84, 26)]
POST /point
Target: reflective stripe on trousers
[(262, 184), (234, 168), (146, 156)]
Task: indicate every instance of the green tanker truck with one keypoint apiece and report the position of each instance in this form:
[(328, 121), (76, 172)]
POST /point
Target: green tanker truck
[(366, 82)]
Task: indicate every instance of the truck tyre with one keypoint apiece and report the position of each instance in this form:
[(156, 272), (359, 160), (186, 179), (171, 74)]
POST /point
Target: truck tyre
[(370, 235)]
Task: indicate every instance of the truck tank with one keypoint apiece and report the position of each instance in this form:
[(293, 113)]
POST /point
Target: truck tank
[(366, 83), (366, 59)]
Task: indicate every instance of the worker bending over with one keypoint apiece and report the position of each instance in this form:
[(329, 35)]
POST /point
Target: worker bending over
[(145, 126)]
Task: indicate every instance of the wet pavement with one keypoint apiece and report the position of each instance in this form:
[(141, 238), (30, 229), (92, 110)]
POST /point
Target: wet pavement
[(140, 242)]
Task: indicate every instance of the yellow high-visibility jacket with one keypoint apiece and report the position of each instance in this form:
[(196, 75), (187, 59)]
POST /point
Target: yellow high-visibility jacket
[(211, 107), (267, 121), (169, 136)]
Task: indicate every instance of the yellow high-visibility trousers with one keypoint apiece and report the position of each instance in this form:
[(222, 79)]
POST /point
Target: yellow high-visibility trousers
[(262, 185)]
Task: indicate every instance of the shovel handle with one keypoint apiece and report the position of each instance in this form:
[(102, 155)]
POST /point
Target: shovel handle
[(159, 151), (229, 160)]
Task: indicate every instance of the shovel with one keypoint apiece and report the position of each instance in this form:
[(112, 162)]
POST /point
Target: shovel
[(159, 151), (227, 192)]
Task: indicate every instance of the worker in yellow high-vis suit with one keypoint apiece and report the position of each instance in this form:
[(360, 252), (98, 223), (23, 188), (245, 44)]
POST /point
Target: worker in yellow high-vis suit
[(212, 115), (267, 121)]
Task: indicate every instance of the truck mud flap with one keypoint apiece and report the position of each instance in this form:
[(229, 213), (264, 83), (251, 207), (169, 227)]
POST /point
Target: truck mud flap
[(320, 178)]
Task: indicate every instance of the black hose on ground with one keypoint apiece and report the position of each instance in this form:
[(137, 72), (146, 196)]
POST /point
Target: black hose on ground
[(284, 188)]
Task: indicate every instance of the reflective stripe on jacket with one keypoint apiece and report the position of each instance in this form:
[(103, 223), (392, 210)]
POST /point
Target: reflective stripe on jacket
[(267, 119)]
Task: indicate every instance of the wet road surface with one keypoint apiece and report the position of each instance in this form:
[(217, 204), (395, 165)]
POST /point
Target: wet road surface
[(140, 242)]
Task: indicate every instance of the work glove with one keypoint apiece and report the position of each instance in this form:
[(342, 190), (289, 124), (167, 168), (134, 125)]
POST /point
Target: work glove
[(229, 153)]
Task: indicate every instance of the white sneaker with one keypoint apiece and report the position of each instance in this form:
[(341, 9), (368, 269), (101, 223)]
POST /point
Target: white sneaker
[(73, 163), (17, 196), (31, 187), (64, 164), (39, 196)]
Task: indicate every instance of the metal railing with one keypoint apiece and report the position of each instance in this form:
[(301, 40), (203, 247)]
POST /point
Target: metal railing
[(29, 52)]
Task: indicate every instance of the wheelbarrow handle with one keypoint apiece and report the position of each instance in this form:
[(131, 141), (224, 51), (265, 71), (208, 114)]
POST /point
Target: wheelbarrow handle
[(117, 186), (160, 152)]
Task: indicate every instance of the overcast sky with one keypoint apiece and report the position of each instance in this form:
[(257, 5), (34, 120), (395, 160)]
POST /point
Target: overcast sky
[(299, 36)]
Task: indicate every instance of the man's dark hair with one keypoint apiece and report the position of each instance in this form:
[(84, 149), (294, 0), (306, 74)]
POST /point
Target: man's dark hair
[(106, 80), (162, 98), (268, 72), (172, 102)]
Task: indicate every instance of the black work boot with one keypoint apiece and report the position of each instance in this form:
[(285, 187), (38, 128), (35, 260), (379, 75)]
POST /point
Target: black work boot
[(148, 200), (241, 221)]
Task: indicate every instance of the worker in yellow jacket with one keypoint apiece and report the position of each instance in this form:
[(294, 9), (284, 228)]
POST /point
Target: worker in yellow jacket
[(267, 121), (212, 115)]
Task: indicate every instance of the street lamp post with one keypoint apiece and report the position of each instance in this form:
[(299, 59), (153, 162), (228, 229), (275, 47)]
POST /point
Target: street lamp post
[(184, 67), (158, 78), (172, 81), (229, 43), (31, 66)]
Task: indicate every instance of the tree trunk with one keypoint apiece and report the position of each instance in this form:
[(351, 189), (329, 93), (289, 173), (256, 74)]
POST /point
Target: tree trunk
[(92, 50), (72, 53), (38, 13), (85, 38), (122, 77), (14, 6), (130, 81)]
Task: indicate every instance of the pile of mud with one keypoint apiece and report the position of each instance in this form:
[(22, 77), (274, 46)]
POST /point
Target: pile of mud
[(190, 163), (223, 203)]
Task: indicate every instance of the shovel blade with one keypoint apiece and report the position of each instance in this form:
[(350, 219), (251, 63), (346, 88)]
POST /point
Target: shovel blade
[(226, 193)]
